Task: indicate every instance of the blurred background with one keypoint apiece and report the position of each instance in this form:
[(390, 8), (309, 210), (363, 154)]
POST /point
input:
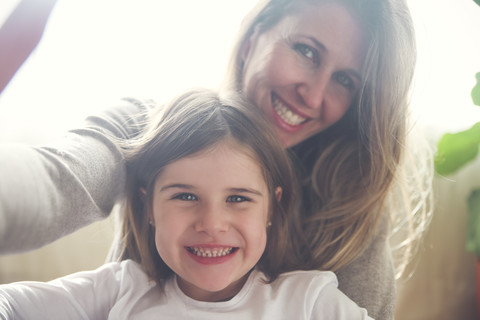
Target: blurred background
[(94, 52)]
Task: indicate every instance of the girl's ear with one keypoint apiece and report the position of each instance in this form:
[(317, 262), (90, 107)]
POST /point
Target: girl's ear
[(142, 193), (278, 197), (278, 193)]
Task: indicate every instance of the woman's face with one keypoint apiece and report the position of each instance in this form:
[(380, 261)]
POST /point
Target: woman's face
[(305, 71)]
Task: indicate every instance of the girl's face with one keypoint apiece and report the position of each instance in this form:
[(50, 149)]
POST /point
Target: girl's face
[(305, 71), (210, 212)]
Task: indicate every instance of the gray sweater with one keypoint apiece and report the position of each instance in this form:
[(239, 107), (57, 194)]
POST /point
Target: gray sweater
[(50, 191)]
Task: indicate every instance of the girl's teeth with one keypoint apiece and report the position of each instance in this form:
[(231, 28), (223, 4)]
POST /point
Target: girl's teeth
[(286, 114), (210, 253)]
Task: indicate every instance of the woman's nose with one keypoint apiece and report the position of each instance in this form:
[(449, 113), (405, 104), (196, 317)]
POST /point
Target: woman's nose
[(211, 219), (312, 91)]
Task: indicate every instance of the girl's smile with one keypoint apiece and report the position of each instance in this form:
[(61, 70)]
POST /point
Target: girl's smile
[(211, 254)]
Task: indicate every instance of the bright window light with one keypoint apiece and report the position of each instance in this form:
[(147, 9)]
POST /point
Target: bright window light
[(94, 52)]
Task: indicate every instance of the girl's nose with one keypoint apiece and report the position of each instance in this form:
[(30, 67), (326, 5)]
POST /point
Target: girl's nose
[(211, 220)]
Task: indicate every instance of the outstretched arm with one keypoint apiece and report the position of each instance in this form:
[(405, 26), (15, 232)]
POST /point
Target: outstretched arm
[(50, 191)]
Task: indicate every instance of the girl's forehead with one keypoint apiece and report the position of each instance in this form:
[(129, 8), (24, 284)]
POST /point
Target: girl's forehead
[(229, 145), (224, 165)]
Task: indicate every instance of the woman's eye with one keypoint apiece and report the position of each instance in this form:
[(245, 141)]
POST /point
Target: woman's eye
[(185, 197), (307, 51), (345, 81), (237, 199)]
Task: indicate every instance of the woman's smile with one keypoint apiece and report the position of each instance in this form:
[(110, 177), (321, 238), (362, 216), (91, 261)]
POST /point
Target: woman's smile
[(286, 115)]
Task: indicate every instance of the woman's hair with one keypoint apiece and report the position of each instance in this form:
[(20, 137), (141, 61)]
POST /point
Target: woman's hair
[(356, 170), (192, 123)]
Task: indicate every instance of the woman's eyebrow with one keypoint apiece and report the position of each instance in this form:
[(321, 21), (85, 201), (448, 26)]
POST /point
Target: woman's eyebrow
[(317, 43), (322, 47), (355, 74)]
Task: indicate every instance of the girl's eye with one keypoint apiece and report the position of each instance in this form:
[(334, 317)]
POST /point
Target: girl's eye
[(237, 199), (345, 81), (185, 197), (307, 51)]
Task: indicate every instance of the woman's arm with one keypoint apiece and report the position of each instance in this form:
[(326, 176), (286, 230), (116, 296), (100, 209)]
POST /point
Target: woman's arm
[(50, 191), (369, 280)]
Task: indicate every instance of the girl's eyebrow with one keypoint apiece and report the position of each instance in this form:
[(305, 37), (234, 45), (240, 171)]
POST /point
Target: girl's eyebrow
[(246, 190), (177, 185), (190, 187)]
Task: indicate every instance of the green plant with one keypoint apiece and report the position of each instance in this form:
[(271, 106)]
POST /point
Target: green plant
[(454, 150)]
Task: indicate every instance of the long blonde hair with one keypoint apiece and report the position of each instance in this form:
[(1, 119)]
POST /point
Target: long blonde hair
[(355, 172)]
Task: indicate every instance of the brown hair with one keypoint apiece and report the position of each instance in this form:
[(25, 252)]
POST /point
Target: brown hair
[(193, 122), (349, 171)]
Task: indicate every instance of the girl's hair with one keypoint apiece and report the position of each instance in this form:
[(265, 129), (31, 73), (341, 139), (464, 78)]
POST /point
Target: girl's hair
[(192, 123), (357, 169)]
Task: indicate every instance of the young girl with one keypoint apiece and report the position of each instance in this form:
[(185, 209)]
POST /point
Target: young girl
[(208, 215)]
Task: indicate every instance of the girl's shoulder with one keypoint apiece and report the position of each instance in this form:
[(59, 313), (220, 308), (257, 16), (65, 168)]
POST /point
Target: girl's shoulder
[(301, 284), (318, 292), (307, 277)]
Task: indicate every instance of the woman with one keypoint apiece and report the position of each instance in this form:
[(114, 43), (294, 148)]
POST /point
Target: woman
[(333, 77)]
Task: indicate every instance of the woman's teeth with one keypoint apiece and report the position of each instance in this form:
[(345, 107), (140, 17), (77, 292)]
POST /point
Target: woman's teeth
[(210, 253), (286, 114)]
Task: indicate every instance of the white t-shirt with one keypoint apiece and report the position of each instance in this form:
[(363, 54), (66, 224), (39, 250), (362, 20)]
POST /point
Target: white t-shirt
[(121, 290)]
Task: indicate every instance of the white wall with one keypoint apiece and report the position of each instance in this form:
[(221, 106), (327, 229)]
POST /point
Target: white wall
[(448, 58)]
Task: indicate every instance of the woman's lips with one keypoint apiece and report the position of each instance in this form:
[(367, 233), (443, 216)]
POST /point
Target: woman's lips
[(286, 113)]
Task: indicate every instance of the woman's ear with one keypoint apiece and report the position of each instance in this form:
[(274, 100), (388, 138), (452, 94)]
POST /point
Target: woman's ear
[(278, 193), (247, 45), (246, 49)]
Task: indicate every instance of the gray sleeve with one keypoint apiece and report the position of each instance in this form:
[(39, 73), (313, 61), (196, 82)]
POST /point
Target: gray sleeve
[(369, 280), (50, 191)]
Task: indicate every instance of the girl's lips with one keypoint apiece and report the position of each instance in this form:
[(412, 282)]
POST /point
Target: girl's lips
[(211, 254), (286, 116)]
